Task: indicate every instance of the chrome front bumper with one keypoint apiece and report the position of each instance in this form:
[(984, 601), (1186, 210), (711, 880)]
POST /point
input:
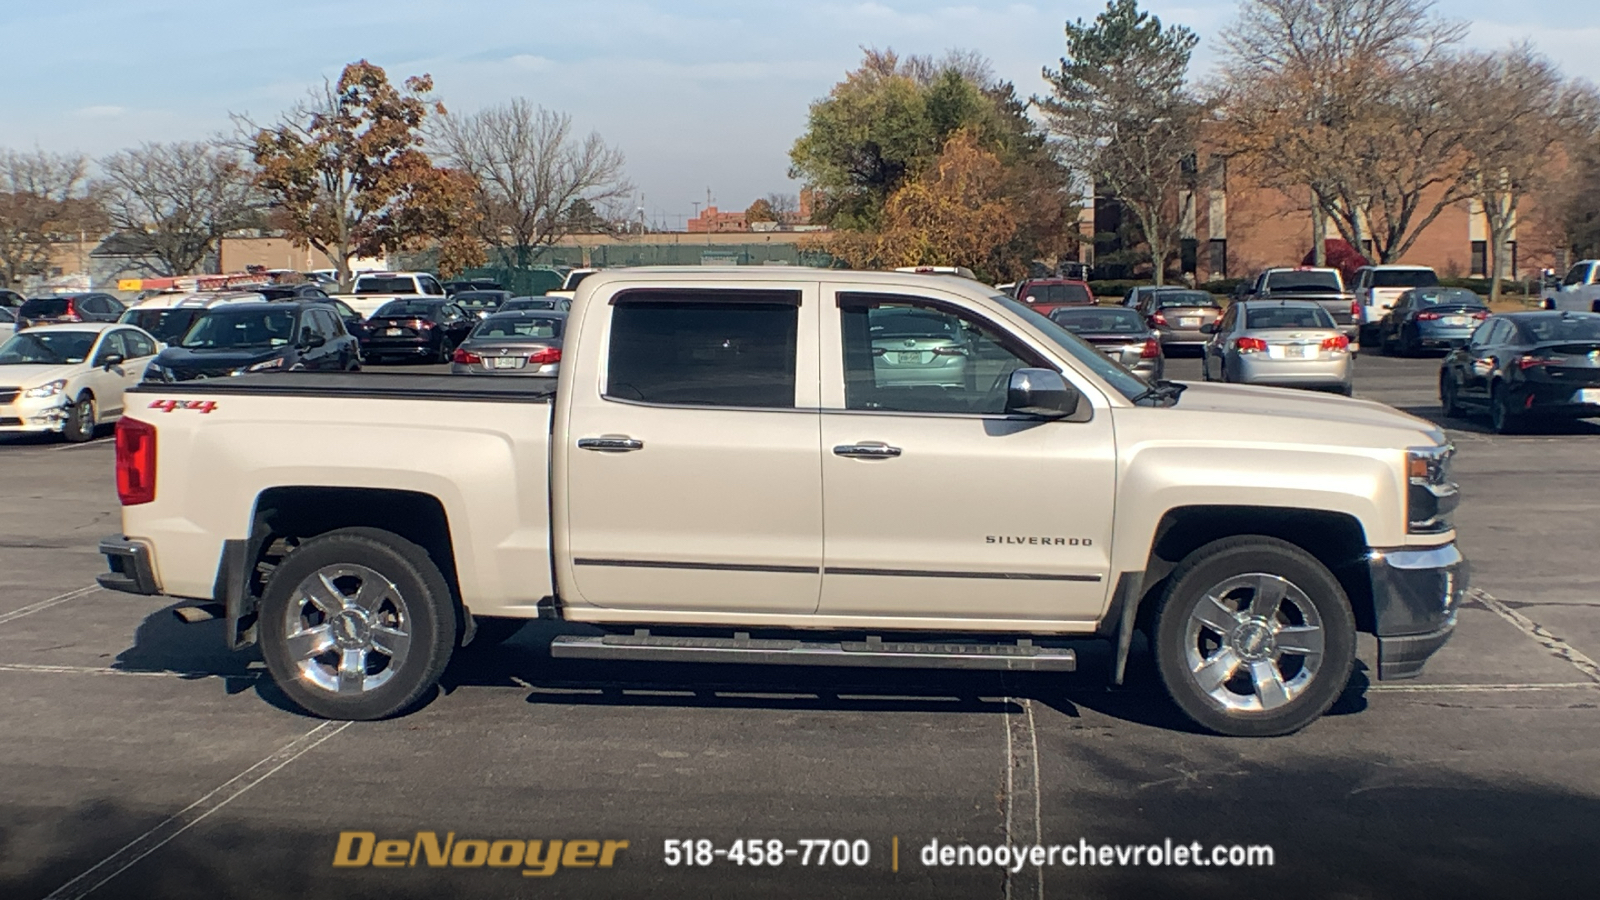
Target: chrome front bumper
[(1415, 596)]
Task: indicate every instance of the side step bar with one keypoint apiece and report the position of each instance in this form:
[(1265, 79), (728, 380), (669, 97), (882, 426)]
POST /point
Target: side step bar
[(741, 648)]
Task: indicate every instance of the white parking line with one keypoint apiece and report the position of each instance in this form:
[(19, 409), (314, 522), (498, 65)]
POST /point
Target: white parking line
[(46, 604), (191, 815), (97, 442), (1481, 688), (1023, 813), (38, 669), (1539, 633)]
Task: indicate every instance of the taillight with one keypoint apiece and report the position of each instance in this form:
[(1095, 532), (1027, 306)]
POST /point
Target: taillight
[(1355, 309), (1428, 316), (1337, 342), (1528, 362), (1150, 350), (1250, 345), (465, 357), (1481, 314), (1158, 319), (136, 462), (553, 355)]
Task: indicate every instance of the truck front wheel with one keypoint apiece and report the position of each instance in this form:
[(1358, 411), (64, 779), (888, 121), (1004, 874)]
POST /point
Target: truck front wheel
[(357, 624), (1254, 637)]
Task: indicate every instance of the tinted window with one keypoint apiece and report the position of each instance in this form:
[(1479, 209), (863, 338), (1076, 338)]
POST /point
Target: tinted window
[(110, 345), (906, 355), (168, 325), (1098, 320), (50, 347), (1575, 275), (696, 349), (518, 327), (344, 308), (1267, 317), (1481, 336), (429, 286), (424, 308), (45, 306), (242, 328), (1168, 299), (1393, 278), (382, 284), (1562, 328), (1311, 280)]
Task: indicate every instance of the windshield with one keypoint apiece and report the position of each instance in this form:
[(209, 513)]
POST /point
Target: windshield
[(1100, 320), (1580, 327), (381, 284), (413, 308), (1304, 280), (479, 299), (1270, 317), (1057, 293), (1125, 382), (1391, 278), (166, 324), (519, 327), (47, 347), (238, 329), (1447, 297), (1169, 299)]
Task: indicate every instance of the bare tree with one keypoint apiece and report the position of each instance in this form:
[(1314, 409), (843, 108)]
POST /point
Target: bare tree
[(171, 204), (784, 206), (1348, 98), (1517, 110), (531, 171), (42, 202), (1124, 117)]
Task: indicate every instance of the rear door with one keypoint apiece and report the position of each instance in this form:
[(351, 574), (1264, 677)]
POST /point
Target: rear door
[(937, 505), (690, 470)]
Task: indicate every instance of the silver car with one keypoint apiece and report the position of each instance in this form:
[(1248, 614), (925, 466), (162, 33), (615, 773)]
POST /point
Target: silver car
[(917, 347), (1289, 343), (1119, 333), (514, 343)]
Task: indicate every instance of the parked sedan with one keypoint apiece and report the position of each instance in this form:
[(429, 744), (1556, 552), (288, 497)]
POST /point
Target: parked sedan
[(917, 347), (515, 343), (427, 328), (259, 336), (1524, 367), (1178, 316), (1288, 343), (69, 308), (480, 304), (1430, 317), (1136, 295), (1120, 333), (69, 379)]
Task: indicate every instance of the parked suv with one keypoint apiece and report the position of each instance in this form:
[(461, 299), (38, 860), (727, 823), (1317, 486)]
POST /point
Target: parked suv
[(1045, 294), (1378, 287), (69, 308), (259, 336)]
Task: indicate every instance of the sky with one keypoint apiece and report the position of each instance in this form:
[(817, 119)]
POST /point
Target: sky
[(699, 94)]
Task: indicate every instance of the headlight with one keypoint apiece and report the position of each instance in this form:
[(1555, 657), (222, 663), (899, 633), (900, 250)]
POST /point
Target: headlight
[(262, 366), (46, 390), (1431, 495)]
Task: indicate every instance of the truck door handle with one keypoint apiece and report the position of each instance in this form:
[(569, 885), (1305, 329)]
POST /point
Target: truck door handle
[(610, 444), (867, 451)]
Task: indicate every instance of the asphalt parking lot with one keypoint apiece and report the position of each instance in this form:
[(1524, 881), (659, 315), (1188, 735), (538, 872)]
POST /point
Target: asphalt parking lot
[(140, 759)]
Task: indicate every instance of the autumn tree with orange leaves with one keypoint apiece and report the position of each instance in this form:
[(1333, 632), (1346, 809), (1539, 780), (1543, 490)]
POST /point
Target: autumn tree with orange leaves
[(348, 176)]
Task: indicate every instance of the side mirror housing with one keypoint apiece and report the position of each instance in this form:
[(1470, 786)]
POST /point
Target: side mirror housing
[(1042, 393), (310, 340), (112, 361)]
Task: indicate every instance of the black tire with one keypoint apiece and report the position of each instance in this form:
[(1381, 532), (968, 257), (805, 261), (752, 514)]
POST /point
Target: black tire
[(80, 420), (492, 631), (443, 356), (1503, 417), (1310, 586), (1448, 401), (420, 605)]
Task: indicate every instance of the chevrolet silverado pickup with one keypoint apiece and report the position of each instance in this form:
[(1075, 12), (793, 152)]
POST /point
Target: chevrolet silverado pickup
[(1325, 287), (797, 467)]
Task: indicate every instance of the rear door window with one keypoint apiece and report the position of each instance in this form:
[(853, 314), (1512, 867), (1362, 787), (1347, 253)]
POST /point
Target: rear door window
[(45, 307), (704, 348)]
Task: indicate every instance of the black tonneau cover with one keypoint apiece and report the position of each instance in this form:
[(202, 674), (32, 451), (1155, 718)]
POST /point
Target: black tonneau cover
[(365, 386)]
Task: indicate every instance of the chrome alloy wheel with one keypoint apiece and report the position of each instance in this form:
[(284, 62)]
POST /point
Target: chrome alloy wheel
[(1254, 642), (348, 629)]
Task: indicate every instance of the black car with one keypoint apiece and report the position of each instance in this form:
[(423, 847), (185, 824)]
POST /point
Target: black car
[(480, 303), (259, 336), (452, 288), (354, 322), (69, 308), (426, 328), (1522, 367), (1427, 317)]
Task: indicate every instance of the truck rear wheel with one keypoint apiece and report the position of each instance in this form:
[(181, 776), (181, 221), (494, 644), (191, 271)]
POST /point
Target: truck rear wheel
[(357, 624), (1254, 637)]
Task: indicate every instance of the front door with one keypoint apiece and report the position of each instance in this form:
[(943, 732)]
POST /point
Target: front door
[(693, 480), (937, 505)]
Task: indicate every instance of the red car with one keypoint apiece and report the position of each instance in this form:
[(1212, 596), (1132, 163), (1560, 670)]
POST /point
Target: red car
[(1045, 294)]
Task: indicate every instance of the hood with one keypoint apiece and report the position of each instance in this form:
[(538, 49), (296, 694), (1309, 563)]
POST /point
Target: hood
[(1278, 404), (184, 358), (28, 376)]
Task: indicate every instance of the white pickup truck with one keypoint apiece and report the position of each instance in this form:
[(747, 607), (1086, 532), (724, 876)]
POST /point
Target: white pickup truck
[(373, 289), (1579, 291), (797, 466)]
